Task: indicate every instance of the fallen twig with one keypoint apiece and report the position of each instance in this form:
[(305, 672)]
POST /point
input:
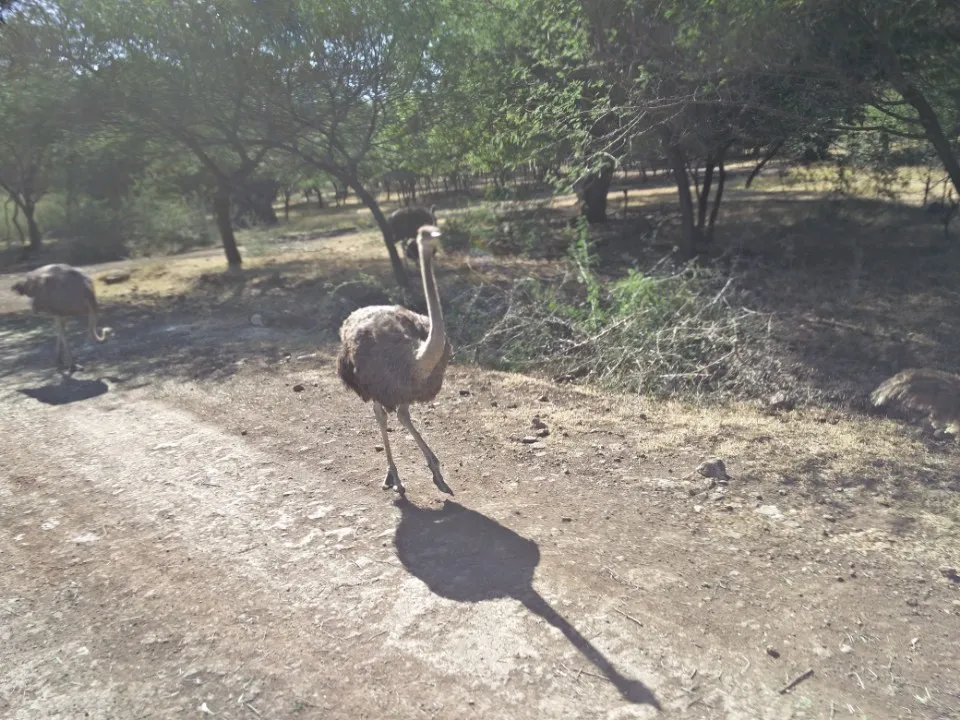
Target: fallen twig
[(585, 672), (806, 675), (628, 617)]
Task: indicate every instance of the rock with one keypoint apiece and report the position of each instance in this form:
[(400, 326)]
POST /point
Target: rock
[(773, 652), (543, 432), (780, 402), (544, 398), (256, 320), (950, 573), (713, 468), (566, 518), (378, 448), (537, 423), (771, 511), (298, 388), (846, 649), (113, 277), (465, 392), (529, 439)]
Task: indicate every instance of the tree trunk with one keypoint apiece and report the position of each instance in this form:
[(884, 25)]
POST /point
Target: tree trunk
[(689, 236), (925, 113), (721, 181), (36, 237), (760, 165), (593, 196), (703, 194), (221, 209), (286, 205), (933, 129), (399, 271)]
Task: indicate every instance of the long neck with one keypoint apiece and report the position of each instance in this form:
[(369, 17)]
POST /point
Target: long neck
[(431, 351)]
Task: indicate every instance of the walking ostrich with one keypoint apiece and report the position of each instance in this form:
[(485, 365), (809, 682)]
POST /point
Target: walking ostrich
[(929, 391), (63, 291), (405, 222), (396, 357)]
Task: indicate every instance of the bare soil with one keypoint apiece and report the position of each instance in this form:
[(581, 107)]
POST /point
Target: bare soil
[(193, 527)]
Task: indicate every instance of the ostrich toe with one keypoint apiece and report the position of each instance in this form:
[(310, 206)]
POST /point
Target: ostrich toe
[(440, 482), (392, 480)]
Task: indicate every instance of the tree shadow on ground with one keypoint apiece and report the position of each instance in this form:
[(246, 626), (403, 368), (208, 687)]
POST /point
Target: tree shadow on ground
[(465, 556)]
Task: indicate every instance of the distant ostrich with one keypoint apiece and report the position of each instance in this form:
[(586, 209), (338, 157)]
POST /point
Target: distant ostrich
[(405, 222), (929, 391), (63, 291), (395, 357)]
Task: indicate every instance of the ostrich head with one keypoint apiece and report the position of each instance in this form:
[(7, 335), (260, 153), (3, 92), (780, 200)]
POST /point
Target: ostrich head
[(427, 239)]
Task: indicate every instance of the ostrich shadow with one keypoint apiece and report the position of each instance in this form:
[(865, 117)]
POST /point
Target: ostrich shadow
[(68, 390), (465, 556)]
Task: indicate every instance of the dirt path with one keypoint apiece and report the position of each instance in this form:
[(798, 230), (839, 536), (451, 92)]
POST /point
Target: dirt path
[(221, 548)]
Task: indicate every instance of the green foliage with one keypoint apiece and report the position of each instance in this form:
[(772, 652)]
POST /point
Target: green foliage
[(142, 224)]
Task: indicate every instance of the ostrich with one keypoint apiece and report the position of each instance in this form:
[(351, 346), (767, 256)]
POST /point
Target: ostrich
[(931, 391), (405, 222), (63, 291), (395, 357)]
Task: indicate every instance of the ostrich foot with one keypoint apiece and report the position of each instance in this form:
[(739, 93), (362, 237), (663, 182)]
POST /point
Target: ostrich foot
[(439, 481), (392, 480)]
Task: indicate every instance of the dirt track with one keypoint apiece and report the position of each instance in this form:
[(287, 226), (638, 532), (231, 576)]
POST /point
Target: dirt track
[(220, 547)]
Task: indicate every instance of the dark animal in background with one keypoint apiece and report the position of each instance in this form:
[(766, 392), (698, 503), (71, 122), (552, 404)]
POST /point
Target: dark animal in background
[(927, 391), (395, 357), (406, 222), (63, 291)]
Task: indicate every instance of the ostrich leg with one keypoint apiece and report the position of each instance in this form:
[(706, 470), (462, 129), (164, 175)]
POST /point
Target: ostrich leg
[(62, 346), (392, 480), (403, 415)]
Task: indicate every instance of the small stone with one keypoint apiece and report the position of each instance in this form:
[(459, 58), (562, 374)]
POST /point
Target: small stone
[(698, 508), (537, 423), (771, 511), (780, 402), (543, 432), (115, 276), (464, 392), (494, 403), (713, 468), (529, 439), (829, 518), (378, 448), (642, 416), (544, 398), (256, 319), (243, 432), (846, 649), (773, 652), (950, 573), (298, 388), (566, 518)]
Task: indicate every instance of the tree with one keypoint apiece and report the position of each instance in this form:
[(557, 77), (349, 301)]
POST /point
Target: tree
[(895, 64), (189, 72), (35, 106), (341, 70)]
